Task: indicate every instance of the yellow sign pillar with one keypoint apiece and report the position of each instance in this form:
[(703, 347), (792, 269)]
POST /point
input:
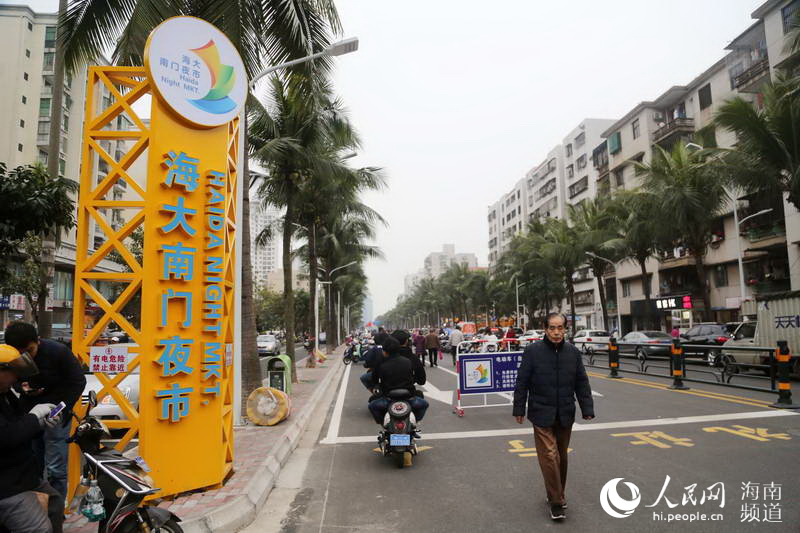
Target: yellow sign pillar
[(187, 290)]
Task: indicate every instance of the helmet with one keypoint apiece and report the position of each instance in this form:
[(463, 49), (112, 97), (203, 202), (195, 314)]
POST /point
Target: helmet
[(20, 363)]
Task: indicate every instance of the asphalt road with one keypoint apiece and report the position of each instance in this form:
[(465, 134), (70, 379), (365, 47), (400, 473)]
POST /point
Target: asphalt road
[(479, 472)]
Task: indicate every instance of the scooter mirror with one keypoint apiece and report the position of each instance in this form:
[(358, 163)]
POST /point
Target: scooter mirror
[(92, 398)]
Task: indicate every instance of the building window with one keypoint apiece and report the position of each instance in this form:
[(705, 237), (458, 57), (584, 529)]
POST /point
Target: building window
[(49, 60), (25, 76), (30, 26), (581, 161), (50, 37), (788, 14), (62, 166), (614, 143), (42, 157), (704, 94), (24, 99), (570, 171), (635, 128), (580, 140), (19, 147), (579, 186), (21, 123), (27, 53), (626, 288), (619, 177), (569, 150), (721, 276), (44, 107)]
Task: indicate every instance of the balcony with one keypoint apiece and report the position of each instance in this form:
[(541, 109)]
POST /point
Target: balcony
[(770, 286), (751, 80), (674, 129)]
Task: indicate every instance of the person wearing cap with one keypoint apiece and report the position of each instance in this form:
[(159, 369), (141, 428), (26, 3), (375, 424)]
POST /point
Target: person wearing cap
[(60, 379), (26, 499)]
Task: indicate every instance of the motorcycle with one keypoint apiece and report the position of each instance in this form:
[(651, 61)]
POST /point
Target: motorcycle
[(114, 486), (353, 354), (399, 428)]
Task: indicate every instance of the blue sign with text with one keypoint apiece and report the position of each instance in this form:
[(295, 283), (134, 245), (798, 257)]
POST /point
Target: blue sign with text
[(482, 373)]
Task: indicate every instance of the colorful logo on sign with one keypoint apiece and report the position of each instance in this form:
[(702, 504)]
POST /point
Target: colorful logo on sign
[(481, 374), (222, 79), (196, 71)]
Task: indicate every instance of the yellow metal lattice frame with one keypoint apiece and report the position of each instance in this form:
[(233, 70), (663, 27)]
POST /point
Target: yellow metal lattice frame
[(126, 85)]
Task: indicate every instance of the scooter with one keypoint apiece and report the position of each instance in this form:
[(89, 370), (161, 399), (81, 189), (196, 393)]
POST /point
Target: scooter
[(353, 354), (399, 428), (123, 484)]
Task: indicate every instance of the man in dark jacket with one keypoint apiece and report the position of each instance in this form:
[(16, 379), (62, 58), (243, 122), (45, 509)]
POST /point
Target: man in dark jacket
[(60, 379), (372, 359), (21, 484), (396, 371), (550, 378)]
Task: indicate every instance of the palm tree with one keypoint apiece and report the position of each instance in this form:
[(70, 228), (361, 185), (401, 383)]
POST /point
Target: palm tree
[(261, 30), (690, 193), (592, 220), (767, 155), (561, 247), (636, 237)]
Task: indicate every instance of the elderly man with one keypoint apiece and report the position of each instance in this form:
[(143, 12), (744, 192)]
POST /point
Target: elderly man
[(550, 378), (25, 499)]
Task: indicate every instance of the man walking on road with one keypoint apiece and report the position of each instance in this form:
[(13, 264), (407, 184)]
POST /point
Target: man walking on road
[(432, 345), (456, 337), (549, 380)]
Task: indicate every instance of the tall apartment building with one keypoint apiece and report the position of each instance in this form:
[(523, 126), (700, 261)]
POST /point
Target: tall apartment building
[(437, 263), (768, 242), (28, 43), (266, 258)]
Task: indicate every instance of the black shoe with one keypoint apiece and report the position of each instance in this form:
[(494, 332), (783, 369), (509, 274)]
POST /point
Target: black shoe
[(557, 512), (564, 506)]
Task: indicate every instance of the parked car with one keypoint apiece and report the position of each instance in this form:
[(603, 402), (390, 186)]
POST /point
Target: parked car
[(652, 343), (591, 340), (532, 335), (705, 334), (743, 336), (61, 333), (268, 345)]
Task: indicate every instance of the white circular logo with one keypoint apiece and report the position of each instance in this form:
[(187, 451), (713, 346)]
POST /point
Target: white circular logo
[(614, 504), (196, 70)]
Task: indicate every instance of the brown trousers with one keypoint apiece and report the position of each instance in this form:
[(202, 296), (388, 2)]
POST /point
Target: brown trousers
[(551, 450)]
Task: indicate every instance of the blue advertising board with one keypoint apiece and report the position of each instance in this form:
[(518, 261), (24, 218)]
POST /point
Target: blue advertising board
[(482, 373)]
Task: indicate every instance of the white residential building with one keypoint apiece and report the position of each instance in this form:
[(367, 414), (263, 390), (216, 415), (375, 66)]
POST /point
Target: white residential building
[(267, 258), (437, 263)]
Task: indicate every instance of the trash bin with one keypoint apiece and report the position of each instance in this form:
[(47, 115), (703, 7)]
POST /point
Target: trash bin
[(279, 373)]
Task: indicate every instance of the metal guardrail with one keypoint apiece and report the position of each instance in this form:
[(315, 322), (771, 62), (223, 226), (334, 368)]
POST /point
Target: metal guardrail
[(779, 367)]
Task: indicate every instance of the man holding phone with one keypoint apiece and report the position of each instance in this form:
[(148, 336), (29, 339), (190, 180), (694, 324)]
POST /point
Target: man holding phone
[(25, 499), (60, 379)]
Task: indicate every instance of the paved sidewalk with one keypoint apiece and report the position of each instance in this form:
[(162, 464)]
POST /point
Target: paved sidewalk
[(259, 455)]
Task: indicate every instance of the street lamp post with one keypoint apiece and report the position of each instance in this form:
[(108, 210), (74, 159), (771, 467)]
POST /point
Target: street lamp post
[(610, 262), (329, 275), (336, 49)]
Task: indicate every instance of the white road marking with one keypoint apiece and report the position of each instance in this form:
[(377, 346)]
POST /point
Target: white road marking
[(336, 419), (432, 391), (580, 427)]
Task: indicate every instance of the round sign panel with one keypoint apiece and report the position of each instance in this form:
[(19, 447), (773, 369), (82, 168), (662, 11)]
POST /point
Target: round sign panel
[(196, 70)]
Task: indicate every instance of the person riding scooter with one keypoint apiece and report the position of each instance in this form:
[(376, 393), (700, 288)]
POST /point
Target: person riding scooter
[(396, 371)]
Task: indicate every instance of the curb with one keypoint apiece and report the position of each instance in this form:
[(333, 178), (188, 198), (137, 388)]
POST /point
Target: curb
[(241, 512)]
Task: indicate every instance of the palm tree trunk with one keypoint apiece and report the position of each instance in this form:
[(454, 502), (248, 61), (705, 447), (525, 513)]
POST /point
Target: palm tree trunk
[(646, 289), (251, 365), (288, 295), (571, 295), (700, 268), (311, 362), (329, 337), (45, 316), (601, 289)]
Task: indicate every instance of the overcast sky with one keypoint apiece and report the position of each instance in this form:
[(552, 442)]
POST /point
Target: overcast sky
[(457, 99)]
